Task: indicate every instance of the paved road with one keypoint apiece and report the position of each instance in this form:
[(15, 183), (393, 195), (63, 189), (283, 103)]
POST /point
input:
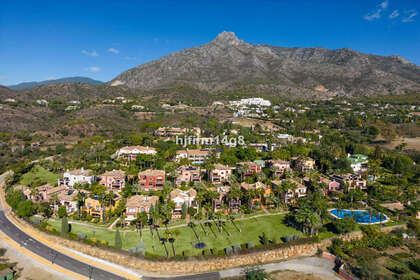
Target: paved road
[(67, 262), (45, 252)]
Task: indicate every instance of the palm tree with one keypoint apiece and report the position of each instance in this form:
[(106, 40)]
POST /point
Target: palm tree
[(308, 220), (141, 220), (172, 241)]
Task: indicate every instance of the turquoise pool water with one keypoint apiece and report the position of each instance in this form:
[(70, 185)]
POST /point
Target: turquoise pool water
[(361, 216)]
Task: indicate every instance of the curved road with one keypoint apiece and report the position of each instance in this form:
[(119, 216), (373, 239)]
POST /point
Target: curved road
[(31, 244)]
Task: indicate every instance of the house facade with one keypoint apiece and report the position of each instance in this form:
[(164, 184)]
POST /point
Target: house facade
[(77, 176), (113, 180), (278, 167), (196, 156), (188, 174), (131, 152), (180, 197), (151, 179), (137, 204), (220, 174)]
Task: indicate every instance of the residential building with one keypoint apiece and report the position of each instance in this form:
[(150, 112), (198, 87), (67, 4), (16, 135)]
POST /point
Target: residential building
[(131, 152), (180, 197), (188, 174), (44, 193), (77, 176), (278, 167), (332, 185), (251, 168), (195, 156), (221, 173), (266, 192), (358, 162), (151, 179), (137, 204), (176, 131), (303, 164), (113, 180), (67, 198), (291, 195), (95, 207), (350, 181)]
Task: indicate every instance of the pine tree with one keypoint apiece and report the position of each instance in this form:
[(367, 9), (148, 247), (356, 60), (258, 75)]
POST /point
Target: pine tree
[(118, 240)]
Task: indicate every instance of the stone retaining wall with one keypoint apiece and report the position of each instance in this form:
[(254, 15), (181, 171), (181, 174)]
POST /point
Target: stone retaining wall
[(194, 265)]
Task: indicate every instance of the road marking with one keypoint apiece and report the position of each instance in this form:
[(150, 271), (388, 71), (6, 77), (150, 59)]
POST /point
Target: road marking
[(40, 259)]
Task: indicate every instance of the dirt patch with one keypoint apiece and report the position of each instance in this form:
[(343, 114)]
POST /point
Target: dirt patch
[(411, 143), (294, 275)]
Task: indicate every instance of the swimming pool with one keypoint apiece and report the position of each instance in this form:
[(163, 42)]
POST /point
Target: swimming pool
[(361, 216)]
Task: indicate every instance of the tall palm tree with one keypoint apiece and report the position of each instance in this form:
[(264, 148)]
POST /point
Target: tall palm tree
[(308, 220)]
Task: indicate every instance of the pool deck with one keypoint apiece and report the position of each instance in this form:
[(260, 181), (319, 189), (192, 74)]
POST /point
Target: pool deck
[(361, 210)]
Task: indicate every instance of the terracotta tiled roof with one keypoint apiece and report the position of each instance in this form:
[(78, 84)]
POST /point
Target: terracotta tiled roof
[(152, 172), (118, 174), (141, 201)]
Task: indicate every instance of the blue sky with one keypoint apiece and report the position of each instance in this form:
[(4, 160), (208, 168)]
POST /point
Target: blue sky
[(99, 39)]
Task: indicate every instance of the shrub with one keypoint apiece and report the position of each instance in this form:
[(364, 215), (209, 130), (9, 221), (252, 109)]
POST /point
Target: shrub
[(81, 236), (236, 248), (344, 225), (296, 237), (228, 251), (250, 245), (288, 238), (36, 220)]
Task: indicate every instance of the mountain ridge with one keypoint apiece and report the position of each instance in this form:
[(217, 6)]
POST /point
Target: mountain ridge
[(226, 61), (76, 79)]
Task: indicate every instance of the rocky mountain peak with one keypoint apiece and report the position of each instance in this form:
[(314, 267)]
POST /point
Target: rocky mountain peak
[(227, 38)]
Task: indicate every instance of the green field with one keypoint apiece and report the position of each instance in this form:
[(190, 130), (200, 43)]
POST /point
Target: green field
[(273, 226), (39, 174)]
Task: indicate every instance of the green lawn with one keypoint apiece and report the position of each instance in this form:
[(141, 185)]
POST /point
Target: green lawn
[(38, 173), (273, 226)]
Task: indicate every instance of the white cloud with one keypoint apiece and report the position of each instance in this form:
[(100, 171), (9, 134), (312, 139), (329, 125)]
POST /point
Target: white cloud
[(93, 53), (411, 14), (384, 4), (113, 50), (93, 69), (373, 15), (394, 14), (376, 14)]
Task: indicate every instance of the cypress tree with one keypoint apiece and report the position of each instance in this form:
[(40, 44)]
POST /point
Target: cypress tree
[(118, 240), (64, 225)]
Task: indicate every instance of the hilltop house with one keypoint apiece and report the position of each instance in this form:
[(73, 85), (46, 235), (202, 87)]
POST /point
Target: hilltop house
[(221, 173), (278, 167), (251, 168), (95, 207), (303, 164), (266, 192), (195, 156), (291, 195), (151, 179), (113, 180), (180, 197), (137, 204), (77, 176), (130, 152), (67, 198), (358, 162), (188, 174), (350, 181)]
